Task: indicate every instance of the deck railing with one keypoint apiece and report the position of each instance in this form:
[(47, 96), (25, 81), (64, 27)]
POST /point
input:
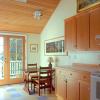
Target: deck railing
[(16, 68)]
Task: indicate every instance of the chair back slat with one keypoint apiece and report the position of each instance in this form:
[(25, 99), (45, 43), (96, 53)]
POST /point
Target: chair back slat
[(44, 79), (45, 73), (32, 65), (45, 68)]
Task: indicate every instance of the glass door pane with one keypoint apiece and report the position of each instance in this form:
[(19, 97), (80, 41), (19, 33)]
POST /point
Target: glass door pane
[(16, 58), (1, 58)]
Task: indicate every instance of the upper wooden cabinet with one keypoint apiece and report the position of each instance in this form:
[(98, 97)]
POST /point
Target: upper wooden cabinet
[(82, 22), (77, 32), (70, 33), (95, 29), (82, 32)]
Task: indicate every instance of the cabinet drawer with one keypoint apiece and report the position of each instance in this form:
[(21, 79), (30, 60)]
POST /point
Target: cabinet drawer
[(78, 75), (72, 74), (85, 76), (61, 72)]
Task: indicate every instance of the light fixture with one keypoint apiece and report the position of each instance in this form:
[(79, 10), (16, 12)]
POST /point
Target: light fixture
[(37, 14)]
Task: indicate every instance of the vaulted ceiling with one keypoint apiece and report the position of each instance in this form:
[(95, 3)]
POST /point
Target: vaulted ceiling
[(18, 17)]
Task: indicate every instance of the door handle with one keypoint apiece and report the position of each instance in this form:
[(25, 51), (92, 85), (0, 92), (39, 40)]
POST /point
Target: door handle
[(5, 59)]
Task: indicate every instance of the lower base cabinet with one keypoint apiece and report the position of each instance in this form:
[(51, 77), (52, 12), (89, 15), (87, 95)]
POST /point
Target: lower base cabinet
[(60, 85), (72, 86), (84, 88), (72, 89)]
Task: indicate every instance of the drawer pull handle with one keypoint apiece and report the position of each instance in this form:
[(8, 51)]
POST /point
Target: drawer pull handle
[(65, 81), (84, 76), (70, 73)]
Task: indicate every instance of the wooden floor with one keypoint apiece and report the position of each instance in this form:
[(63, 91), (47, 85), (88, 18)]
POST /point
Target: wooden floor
[(16, 92)]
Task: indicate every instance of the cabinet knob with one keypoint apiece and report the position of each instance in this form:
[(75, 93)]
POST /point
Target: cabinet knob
[(65, 81), (84, 77), (71, 74)]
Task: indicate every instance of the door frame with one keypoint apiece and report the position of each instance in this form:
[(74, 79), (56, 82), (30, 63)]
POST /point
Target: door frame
[(7, 54)]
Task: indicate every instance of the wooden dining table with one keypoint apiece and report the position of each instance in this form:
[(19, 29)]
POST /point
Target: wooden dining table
[(30, 71)]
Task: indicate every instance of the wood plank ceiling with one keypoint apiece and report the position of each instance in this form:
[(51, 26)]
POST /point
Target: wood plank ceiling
[(18, 17)]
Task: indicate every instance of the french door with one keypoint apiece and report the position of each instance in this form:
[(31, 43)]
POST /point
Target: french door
[(12, 59)]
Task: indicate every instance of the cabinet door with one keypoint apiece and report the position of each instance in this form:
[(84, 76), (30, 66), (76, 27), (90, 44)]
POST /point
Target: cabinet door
[(61, 85), (84, 90), (95, 29), (72, 89), (82, 20), (64, 87), (58, 83), (70, 33)]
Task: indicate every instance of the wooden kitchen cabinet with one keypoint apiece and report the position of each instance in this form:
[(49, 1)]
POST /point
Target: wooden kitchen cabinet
[(70, 33), (82, 32), (60, 85), (82, 22), (84, 88), (72, 89), (77, 32), (72, 85), (95, 29)]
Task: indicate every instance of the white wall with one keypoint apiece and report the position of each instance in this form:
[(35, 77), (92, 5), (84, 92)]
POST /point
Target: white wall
[(55, 28), (33, 57)]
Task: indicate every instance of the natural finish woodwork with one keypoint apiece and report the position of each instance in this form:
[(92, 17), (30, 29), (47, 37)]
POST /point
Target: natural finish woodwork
[(7, 77), (44, 79), (77, 32), (61, 84), (70, 33), (84, 89), (18, 17), (72, 89), (95, 29), (82, 31), (72, 84)]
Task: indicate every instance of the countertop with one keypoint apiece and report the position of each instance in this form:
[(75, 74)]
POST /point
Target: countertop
[(91, 68)]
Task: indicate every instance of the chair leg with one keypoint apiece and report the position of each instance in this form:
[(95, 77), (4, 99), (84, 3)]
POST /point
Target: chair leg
[(34, 88), (31, 85), (50, 89), (39, 91), (44, 89)]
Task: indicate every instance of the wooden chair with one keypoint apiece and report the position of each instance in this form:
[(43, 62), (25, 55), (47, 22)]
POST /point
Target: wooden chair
[(30, 73), (44, 79)]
